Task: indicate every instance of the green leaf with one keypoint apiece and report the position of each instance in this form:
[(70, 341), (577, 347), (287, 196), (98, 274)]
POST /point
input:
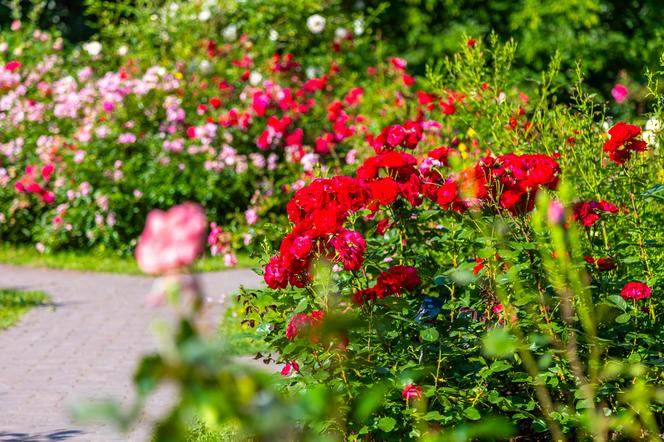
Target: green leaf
[(433, 416), (623, 318), (499, 366), (429, 334), (302, 305), (387, 424), (472, 413), (619, 302), (369, 401), (498, 342)]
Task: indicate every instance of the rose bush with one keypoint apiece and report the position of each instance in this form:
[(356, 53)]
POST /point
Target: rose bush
[(465, 282), (230, 123), (438, 251)]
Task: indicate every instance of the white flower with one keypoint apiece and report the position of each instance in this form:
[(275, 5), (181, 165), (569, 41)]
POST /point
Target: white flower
[(204, 15), (205, 67), (651, 138), (122, 50), (652, 132), (358, 26), (255, 78), (341, 33), (654, 124), (93, 48), (606, 125), (316, 23), (311, 72), (273, 35), (229, 33)]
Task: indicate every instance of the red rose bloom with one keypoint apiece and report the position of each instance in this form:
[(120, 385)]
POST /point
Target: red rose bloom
[(407, 135), (350, 247), (589, 212), (606, 263), (635, 291), (366, 295), (301, 322), (623, 142), (384, 190), (398, 278), (290, 368), (411, 391), (276, 276)]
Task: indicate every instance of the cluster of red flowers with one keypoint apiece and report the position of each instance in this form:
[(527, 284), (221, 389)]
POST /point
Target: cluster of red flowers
[(320, 210), (623, 142), (589, 212), (406, 135), (28, 183), (391, 282), (279, 103), (511, 181)]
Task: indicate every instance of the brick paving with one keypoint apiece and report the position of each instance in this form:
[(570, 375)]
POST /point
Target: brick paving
[(85, 346)]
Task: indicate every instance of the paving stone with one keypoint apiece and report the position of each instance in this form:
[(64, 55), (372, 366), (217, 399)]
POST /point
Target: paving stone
[(84, 347)]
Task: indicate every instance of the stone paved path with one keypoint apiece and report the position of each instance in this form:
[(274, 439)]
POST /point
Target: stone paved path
[(86, 346)]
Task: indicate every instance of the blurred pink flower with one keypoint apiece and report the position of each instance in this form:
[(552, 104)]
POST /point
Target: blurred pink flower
[(171, 240), (619, 92), (556, 212), (230, 260), (251, 216)]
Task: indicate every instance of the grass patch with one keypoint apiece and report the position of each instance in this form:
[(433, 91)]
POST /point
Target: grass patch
[(228, 433), (14, 304), (99, 262)]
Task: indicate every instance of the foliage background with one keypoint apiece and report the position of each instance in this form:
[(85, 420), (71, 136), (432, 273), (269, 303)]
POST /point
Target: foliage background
[(611, 37)]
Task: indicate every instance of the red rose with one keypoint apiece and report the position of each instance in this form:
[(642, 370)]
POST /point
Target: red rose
[(606, 263), (276, 276), (398, 278), (623, 142), (301, 323), (588, 212), (384, 190), (635, 291), (411, 391), (290, 368), (350, 247), (447, 193)]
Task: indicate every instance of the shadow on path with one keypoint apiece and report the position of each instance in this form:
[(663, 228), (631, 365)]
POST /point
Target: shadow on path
[(9, 436)]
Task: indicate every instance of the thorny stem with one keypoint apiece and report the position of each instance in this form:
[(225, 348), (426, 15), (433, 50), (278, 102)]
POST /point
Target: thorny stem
[(597, 422), (542, 393), (639, 230)]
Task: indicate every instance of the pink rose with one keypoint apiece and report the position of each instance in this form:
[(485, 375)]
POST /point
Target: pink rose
[(171, 240), (619, 92)]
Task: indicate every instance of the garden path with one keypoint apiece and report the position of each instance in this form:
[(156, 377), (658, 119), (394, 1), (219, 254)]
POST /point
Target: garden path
[(85, 346)]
